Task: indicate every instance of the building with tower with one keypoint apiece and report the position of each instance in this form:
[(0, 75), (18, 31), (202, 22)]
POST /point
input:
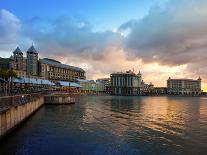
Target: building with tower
[(32, 61), (18, 63), (33, 67)]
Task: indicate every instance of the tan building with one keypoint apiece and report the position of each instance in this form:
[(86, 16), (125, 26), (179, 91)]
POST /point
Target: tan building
[(146, 88), (184, 86), (54, 70), (18, 63), (106, 82), (48, 69)]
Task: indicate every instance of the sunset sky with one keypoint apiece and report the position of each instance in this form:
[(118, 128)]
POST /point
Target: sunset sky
[(161, 38)]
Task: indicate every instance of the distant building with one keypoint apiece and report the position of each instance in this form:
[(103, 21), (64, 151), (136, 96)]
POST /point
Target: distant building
[(146, 89), (54, 70), (90, 86), (184, 86), (127, 83), (159, 91), (106, 82)]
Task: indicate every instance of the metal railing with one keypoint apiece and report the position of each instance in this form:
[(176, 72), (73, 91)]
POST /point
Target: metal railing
[(10, 101)]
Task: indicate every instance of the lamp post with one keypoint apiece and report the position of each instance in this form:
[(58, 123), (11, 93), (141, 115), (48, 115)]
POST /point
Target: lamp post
[(69, 87)]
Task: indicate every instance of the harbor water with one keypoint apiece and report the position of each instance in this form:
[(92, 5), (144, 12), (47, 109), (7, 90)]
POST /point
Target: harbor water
[(104, 125)]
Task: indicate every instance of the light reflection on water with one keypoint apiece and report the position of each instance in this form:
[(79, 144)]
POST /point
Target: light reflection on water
[(115, 125)]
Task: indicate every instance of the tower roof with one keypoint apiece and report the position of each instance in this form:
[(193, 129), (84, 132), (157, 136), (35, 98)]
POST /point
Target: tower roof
[(32, 50), (17, 51), (139, 73)]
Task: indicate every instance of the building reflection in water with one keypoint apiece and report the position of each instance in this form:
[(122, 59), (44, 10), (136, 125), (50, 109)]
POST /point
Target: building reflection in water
[(117, 124), (169, 120)]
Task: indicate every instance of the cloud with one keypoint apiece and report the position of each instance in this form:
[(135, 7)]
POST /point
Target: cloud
[(10, 29), (67, 36), (171, 40), (173, 34)]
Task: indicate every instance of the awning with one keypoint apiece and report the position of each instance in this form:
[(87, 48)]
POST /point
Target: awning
[(69, 84), (2, 80), (33, 81)]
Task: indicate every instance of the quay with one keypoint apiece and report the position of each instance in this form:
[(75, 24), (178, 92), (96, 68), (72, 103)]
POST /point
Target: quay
[(58, 99), (15, 109)]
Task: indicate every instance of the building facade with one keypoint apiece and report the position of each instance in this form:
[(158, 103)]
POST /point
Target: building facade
[(91, 86), (127, 83), (54, 70), (146, 89), (106, 82), (159, 91), (184, 86), (48, 69), (32, 61), (18, 63)]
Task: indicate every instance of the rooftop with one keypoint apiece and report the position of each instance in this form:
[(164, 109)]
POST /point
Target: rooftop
[(33, 81), (32, 50), (184, 79), (60, 65), (69, 84), (124, 73), (85, 81), (17, 51)]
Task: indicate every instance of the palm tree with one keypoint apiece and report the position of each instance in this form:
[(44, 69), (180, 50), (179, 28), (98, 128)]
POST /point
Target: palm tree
[(3, 75), (8, 76), (11, 75)]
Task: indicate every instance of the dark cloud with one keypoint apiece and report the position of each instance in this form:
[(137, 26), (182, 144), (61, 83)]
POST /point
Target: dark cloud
[(64, 36), (173, 34)]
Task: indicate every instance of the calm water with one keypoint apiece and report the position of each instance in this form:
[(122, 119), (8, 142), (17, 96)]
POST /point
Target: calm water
[(114, 125)]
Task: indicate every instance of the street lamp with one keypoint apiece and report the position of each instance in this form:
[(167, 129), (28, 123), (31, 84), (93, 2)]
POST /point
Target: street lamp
[(69, 87)]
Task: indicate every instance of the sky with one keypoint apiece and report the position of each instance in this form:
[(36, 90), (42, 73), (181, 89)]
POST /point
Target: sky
[(161, 38)]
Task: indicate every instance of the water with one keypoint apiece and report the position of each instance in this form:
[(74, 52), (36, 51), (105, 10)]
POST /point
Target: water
[(114, 125)]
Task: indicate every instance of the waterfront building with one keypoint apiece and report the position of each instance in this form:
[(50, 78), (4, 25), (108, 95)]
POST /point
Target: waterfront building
[(18, 59), (54, 70), (71, 87), (87, 86), (18, 63), (184, 86), (91, 86), (106, 84), (100, 86), (159, 91), (32, 67), (127, 83), (32, 61), (146, 89)]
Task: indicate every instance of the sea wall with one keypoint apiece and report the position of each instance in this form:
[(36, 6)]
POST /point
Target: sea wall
[(58, 99), (15, 109)]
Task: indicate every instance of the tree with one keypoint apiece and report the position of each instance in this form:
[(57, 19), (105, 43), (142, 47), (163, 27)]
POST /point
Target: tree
[(3, 75), (8, 76), (11, 75)]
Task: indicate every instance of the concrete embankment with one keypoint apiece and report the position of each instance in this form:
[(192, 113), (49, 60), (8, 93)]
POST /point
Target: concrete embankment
[(15, 109), (58, 99)]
